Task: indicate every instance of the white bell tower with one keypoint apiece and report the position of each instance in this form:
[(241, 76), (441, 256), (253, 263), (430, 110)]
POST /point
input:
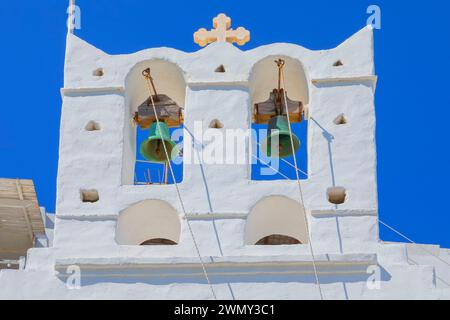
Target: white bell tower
[(218, 233)]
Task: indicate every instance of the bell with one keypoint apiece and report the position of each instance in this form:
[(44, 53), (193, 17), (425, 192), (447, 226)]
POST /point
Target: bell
[(152, 148), (278, 128)]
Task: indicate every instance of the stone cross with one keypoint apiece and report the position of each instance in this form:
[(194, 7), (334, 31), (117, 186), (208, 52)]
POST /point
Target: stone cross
[(222, 33)]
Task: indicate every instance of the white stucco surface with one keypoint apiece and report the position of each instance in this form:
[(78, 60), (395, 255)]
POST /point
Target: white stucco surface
[(221, 201)]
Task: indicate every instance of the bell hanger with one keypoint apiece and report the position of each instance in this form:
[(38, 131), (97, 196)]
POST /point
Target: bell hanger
[(264, 111), (168, 111), (274, 112)]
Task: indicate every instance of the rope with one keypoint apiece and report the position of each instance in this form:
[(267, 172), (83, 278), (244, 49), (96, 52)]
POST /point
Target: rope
[(301, 197), (280, 66), (285, 161), (408, 239), (205, 273), (267, 164)]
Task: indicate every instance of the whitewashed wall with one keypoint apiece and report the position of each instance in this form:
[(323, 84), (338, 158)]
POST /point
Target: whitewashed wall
[(219, 198)]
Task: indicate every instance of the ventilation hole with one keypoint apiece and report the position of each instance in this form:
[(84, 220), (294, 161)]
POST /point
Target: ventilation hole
[(158, 242), (338, 64), (277, 240), (90, 196), (337, 195), (98, 72), (216, 124), (340, 120), (92, 126), (220, 69)]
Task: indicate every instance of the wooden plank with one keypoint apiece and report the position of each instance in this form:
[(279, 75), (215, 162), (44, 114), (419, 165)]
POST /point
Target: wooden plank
[(166, 109), (9, 216), (10, 228), (264, 111), (11, 195), (12, 233), (19, 208), (9, 190), (19, 190), (20, 216), (3, 250), (5, 225), (16, 203), (6, 181)]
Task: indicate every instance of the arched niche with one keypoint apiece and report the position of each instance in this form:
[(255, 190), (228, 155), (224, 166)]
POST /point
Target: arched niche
[(264, 78), (150, 222), (276, 216), (169, 80)]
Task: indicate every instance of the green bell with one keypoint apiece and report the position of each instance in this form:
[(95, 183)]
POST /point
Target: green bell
[(152, 148), (281, 126)]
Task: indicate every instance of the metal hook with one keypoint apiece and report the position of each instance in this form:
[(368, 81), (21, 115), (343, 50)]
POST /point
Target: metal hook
[(280, 63), (146, 73)]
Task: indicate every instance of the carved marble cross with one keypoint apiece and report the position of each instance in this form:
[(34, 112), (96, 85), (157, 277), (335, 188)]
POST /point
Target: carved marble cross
[(222, 33)]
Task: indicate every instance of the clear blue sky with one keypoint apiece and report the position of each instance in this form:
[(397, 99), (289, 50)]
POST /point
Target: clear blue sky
[(412, 52)]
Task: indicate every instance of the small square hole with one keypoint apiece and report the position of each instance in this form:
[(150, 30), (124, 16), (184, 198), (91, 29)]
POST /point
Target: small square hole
[(340, 120), (220, 69), (216, 124), (337, 195), (92, 126), (89, 196), (98, 72)]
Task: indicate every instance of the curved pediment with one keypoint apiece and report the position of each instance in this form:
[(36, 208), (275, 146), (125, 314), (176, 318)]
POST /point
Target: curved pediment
[(355, 56)]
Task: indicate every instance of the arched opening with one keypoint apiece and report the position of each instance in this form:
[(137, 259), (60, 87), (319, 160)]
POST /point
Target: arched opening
[(266, 105), (264, 77), (158, 242), (277, 240), (276, 220), (150, 222), (170, 86)]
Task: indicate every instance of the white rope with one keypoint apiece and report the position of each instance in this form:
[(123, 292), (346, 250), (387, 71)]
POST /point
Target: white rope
[(287, 162), (299, 184), (267, 164), (205, 273), (383, 223), (408, 239)]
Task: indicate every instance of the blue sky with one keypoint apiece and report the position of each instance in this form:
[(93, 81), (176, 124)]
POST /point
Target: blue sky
[(412, 52)]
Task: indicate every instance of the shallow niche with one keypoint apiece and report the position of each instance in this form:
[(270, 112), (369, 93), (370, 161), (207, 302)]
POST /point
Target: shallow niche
[(148, 223), (89, 196), (220, 69), (215, 124), (340, 120), (92, 126), (337, 195), (98, 72), (158, 242), (277, 240)]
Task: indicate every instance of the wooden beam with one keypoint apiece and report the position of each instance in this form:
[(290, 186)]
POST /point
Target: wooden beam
[(30, 229), (19, 208), (15, 203), (25, 212)]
